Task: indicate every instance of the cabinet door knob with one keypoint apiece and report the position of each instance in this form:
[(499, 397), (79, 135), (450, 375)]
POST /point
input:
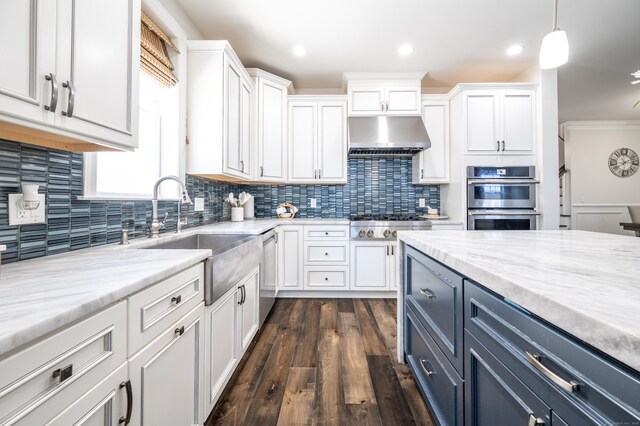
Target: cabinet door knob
[(53, 101), (326, 278)]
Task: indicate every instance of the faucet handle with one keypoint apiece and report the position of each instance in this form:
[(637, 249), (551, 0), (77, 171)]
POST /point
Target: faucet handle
[(163, 222)]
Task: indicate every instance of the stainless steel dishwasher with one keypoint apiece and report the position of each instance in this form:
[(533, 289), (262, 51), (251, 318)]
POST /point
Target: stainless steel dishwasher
[(268, 273)]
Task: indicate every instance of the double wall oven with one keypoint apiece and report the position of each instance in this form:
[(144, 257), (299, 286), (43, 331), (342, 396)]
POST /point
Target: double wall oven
[(501, 198)]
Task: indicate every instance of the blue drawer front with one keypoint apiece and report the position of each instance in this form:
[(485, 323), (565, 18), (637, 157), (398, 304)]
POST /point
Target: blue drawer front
[(435, 294), (605, 394), (494, 395), (440, 384)]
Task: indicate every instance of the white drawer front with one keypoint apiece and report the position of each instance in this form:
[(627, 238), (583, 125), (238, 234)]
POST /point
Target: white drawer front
[(41, 380), (151, 311), (328, 277), (326, 253), (326, 232)]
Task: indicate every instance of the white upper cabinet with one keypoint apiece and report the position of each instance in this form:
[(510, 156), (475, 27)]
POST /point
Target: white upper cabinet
[(499, 121), (383, 94), (431, 166), (219, 112), (317, 140), (270, 108), (71, 69)]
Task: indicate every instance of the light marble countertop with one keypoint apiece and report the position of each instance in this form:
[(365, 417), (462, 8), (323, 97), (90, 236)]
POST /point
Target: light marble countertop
[(585, 283), (41, 295)]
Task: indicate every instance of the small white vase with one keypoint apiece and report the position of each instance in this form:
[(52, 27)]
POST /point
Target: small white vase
[(237, 214)]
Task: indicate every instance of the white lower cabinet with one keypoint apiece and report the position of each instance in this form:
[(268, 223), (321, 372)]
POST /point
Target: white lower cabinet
[(165, 375), (373, 265), (231, 324), (105, 404), (290, 257)]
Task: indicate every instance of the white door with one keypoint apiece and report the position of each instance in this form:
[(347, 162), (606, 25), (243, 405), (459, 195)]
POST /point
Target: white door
[(98, 57), (302, 141), (27, 57), (369, 265), (518, 120), (104, 405), (393, 266), (248, 312), (366, 101), (165, 375), (290, 258), (221, 352), (272, 145), (482, 112), (402, 101), (245, 129), (233, 144), (332, 141), (434, 162)]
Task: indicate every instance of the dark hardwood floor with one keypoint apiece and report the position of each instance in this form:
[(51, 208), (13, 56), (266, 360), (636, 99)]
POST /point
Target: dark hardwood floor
[(323, 362)]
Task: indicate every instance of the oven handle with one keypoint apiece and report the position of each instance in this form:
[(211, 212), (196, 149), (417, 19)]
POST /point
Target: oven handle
[(503, 181), (503, 213)]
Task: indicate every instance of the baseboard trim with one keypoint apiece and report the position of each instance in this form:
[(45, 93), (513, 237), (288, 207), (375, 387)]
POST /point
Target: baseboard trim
[(333, 294)]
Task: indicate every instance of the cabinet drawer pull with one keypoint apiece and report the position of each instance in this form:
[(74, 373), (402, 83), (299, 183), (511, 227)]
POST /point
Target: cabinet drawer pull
[(127, 418), (429, 373), (568, 386), (426, 293), (176, 299), (326, 254), (326, 278), (178, 331), (498, 143), (533, 421), (53, 101), (72, 96), (63, 374)]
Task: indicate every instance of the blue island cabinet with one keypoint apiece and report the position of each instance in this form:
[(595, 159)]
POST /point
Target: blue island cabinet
[(482, 360)]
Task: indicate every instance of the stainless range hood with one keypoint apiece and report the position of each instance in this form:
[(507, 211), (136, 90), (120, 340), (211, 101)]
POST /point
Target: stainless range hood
[(384, 136)]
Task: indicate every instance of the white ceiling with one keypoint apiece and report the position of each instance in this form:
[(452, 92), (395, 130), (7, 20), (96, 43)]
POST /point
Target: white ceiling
[(455, 41)]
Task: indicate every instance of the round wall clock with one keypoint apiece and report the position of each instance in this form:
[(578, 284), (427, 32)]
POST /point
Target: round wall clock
[(624, 162)]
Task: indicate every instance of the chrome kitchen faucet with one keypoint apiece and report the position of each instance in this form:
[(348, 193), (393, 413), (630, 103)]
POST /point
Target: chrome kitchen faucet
[(156, 225)]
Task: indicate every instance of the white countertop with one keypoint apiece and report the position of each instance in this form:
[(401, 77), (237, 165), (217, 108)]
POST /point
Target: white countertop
[(41, 295), (585, 283)]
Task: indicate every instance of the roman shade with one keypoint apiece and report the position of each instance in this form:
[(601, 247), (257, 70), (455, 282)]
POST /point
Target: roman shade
[(154, 58)]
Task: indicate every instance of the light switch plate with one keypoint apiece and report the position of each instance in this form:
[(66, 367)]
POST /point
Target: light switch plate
[(20, 216), (313, 203), (422, 203), (198, 204)]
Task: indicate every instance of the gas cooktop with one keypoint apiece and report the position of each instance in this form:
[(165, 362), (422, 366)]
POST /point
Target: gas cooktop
[(387, 218), (385, 227)]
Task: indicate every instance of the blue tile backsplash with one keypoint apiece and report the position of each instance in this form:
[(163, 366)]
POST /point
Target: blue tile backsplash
[(375, 186)]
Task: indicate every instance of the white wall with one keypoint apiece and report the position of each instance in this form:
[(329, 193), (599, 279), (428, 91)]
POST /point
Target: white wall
[(181, 17), (599, 199)]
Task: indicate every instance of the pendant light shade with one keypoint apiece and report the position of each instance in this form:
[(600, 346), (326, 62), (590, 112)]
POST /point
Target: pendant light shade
[(555, 45), (555, 50)]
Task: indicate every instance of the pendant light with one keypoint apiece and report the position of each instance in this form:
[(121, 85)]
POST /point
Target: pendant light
[(555, 46)]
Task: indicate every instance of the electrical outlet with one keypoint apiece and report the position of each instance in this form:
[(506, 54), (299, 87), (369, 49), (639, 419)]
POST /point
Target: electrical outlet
[(422, 202), (198, 204), (20, 216), (313, 203)]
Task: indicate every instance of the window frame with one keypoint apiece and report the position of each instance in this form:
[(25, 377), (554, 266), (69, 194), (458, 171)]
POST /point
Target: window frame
[(178, 35)]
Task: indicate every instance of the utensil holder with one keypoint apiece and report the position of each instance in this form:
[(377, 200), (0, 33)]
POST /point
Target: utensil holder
[(237, 214)]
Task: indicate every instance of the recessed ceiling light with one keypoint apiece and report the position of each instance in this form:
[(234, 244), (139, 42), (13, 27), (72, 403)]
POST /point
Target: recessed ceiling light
[(300, 51), (405, 49), (516, 49)]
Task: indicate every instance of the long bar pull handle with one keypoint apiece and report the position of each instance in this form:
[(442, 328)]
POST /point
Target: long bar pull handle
[(498, 143), (568, 386), (53, 101), (72, 97), (261, 171), (426, 293), (127, 418)]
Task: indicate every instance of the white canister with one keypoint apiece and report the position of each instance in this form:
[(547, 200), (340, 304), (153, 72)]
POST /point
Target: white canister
[(249, 212), (237, 214)]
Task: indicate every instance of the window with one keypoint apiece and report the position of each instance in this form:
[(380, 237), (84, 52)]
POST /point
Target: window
[(131, 175)]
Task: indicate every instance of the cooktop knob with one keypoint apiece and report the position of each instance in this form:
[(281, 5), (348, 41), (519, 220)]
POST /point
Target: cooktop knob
[(394, 234), (362, 233), (370, 233), (387, 232)]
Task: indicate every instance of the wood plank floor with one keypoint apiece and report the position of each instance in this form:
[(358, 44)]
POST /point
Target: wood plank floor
[(323, 362)]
